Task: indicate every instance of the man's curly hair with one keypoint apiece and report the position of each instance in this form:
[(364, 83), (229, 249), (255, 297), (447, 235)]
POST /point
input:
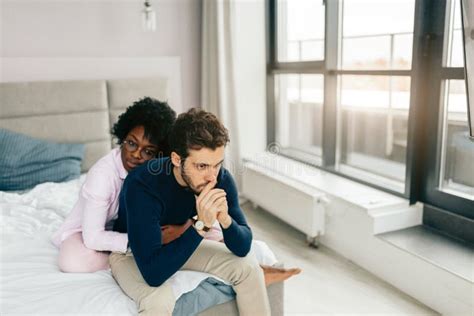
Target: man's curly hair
[(155, 116), (197, 129)]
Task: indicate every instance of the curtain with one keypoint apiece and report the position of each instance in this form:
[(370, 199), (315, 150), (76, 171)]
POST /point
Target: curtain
[(218, 84)]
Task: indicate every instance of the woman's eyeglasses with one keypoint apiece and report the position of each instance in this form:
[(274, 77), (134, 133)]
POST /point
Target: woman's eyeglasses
[(145, 153)]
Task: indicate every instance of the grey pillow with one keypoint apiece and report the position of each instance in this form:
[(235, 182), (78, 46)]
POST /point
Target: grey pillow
[(26, 161)]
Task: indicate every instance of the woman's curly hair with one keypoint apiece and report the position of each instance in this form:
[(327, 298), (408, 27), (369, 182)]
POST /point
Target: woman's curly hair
[(155, 116)]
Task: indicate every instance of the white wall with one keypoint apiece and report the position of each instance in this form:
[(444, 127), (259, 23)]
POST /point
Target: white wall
[(94, 29)]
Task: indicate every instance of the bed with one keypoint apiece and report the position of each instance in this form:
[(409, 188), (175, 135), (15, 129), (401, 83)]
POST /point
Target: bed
[(72, 112)]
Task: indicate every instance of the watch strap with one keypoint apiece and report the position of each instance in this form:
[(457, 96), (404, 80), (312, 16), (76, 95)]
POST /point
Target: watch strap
[(205, 228)]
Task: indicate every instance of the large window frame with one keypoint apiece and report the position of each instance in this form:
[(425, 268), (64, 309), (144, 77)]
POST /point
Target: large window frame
[(427, 74)]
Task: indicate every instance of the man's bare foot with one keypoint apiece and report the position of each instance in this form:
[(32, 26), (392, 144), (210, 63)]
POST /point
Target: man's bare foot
[(274, 275)]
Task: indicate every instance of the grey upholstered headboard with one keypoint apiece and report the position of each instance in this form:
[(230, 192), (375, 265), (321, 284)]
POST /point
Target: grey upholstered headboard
[(74, 111)]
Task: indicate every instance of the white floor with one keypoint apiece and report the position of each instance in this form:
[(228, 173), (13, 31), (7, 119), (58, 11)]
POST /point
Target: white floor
[(329, 284)]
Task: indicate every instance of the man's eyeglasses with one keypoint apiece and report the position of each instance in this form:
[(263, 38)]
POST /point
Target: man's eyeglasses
[(145, 153)]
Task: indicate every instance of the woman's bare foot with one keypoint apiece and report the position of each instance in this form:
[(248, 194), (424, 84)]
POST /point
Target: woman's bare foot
[(274, 275)]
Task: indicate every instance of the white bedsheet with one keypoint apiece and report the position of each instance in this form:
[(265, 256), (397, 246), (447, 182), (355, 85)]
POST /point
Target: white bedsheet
[(30, 282)]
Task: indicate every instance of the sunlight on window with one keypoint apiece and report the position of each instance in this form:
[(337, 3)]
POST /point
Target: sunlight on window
[(300, 30), (375, 92), (387, 46)]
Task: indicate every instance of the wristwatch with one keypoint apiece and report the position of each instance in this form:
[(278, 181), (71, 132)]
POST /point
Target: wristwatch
[(199, 225)]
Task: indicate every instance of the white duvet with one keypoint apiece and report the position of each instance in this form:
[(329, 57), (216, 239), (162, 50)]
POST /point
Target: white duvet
[(30, 282)]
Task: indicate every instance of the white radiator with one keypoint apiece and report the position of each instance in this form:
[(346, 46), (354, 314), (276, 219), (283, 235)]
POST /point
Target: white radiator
[(295, 203)]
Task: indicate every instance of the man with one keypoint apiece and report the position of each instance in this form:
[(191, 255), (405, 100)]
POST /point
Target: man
[(169, 192)]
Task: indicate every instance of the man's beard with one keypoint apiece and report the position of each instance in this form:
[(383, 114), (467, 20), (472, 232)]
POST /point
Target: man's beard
[(187, 179)]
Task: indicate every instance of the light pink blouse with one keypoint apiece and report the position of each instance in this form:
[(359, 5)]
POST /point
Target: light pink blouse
[(97, 207)]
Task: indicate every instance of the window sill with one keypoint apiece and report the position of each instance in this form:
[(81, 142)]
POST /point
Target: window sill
[(447, 253)]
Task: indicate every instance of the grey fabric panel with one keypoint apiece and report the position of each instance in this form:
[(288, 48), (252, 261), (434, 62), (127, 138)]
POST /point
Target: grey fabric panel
[(275, 296), (70, 128), (123, 92), (51, 97), (114, 114), (94, 151)]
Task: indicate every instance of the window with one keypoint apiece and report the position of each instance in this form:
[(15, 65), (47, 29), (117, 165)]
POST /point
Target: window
[(387, 46), (374, 105), (456, 173), (455, 151), (299, 115), (374, 91), (453, 52), (300, 30)]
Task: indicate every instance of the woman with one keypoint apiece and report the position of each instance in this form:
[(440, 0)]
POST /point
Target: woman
[(85, 238)]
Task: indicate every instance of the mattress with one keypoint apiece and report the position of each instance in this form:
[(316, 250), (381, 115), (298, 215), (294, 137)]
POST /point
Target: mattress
[(30, 281)]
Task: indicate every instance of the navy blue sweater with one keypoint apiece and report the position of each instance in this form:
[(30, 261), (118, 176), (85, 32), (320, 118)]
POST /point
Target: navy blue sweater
[(150, 198)]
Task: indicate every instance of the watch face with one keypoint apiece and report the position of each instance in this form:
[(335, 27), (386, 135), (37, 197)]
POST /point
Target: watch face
[(199, 225)]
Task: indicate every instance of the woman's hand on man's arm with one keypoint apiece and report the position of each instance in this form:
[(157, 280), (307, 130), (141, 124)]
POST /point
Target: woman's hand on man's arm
[(172, 232)]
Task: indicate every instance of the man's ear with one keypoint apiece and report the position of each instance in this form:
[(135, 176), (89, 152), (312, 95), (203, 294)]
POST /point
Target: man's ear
[(175, 159)]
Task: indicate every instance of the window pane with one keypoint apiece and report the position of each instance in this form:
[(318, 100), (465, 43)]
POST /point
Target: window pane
[(453, 55), (299, 113), (457, 151), (377, 34), (373, 128), (300, 30)]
